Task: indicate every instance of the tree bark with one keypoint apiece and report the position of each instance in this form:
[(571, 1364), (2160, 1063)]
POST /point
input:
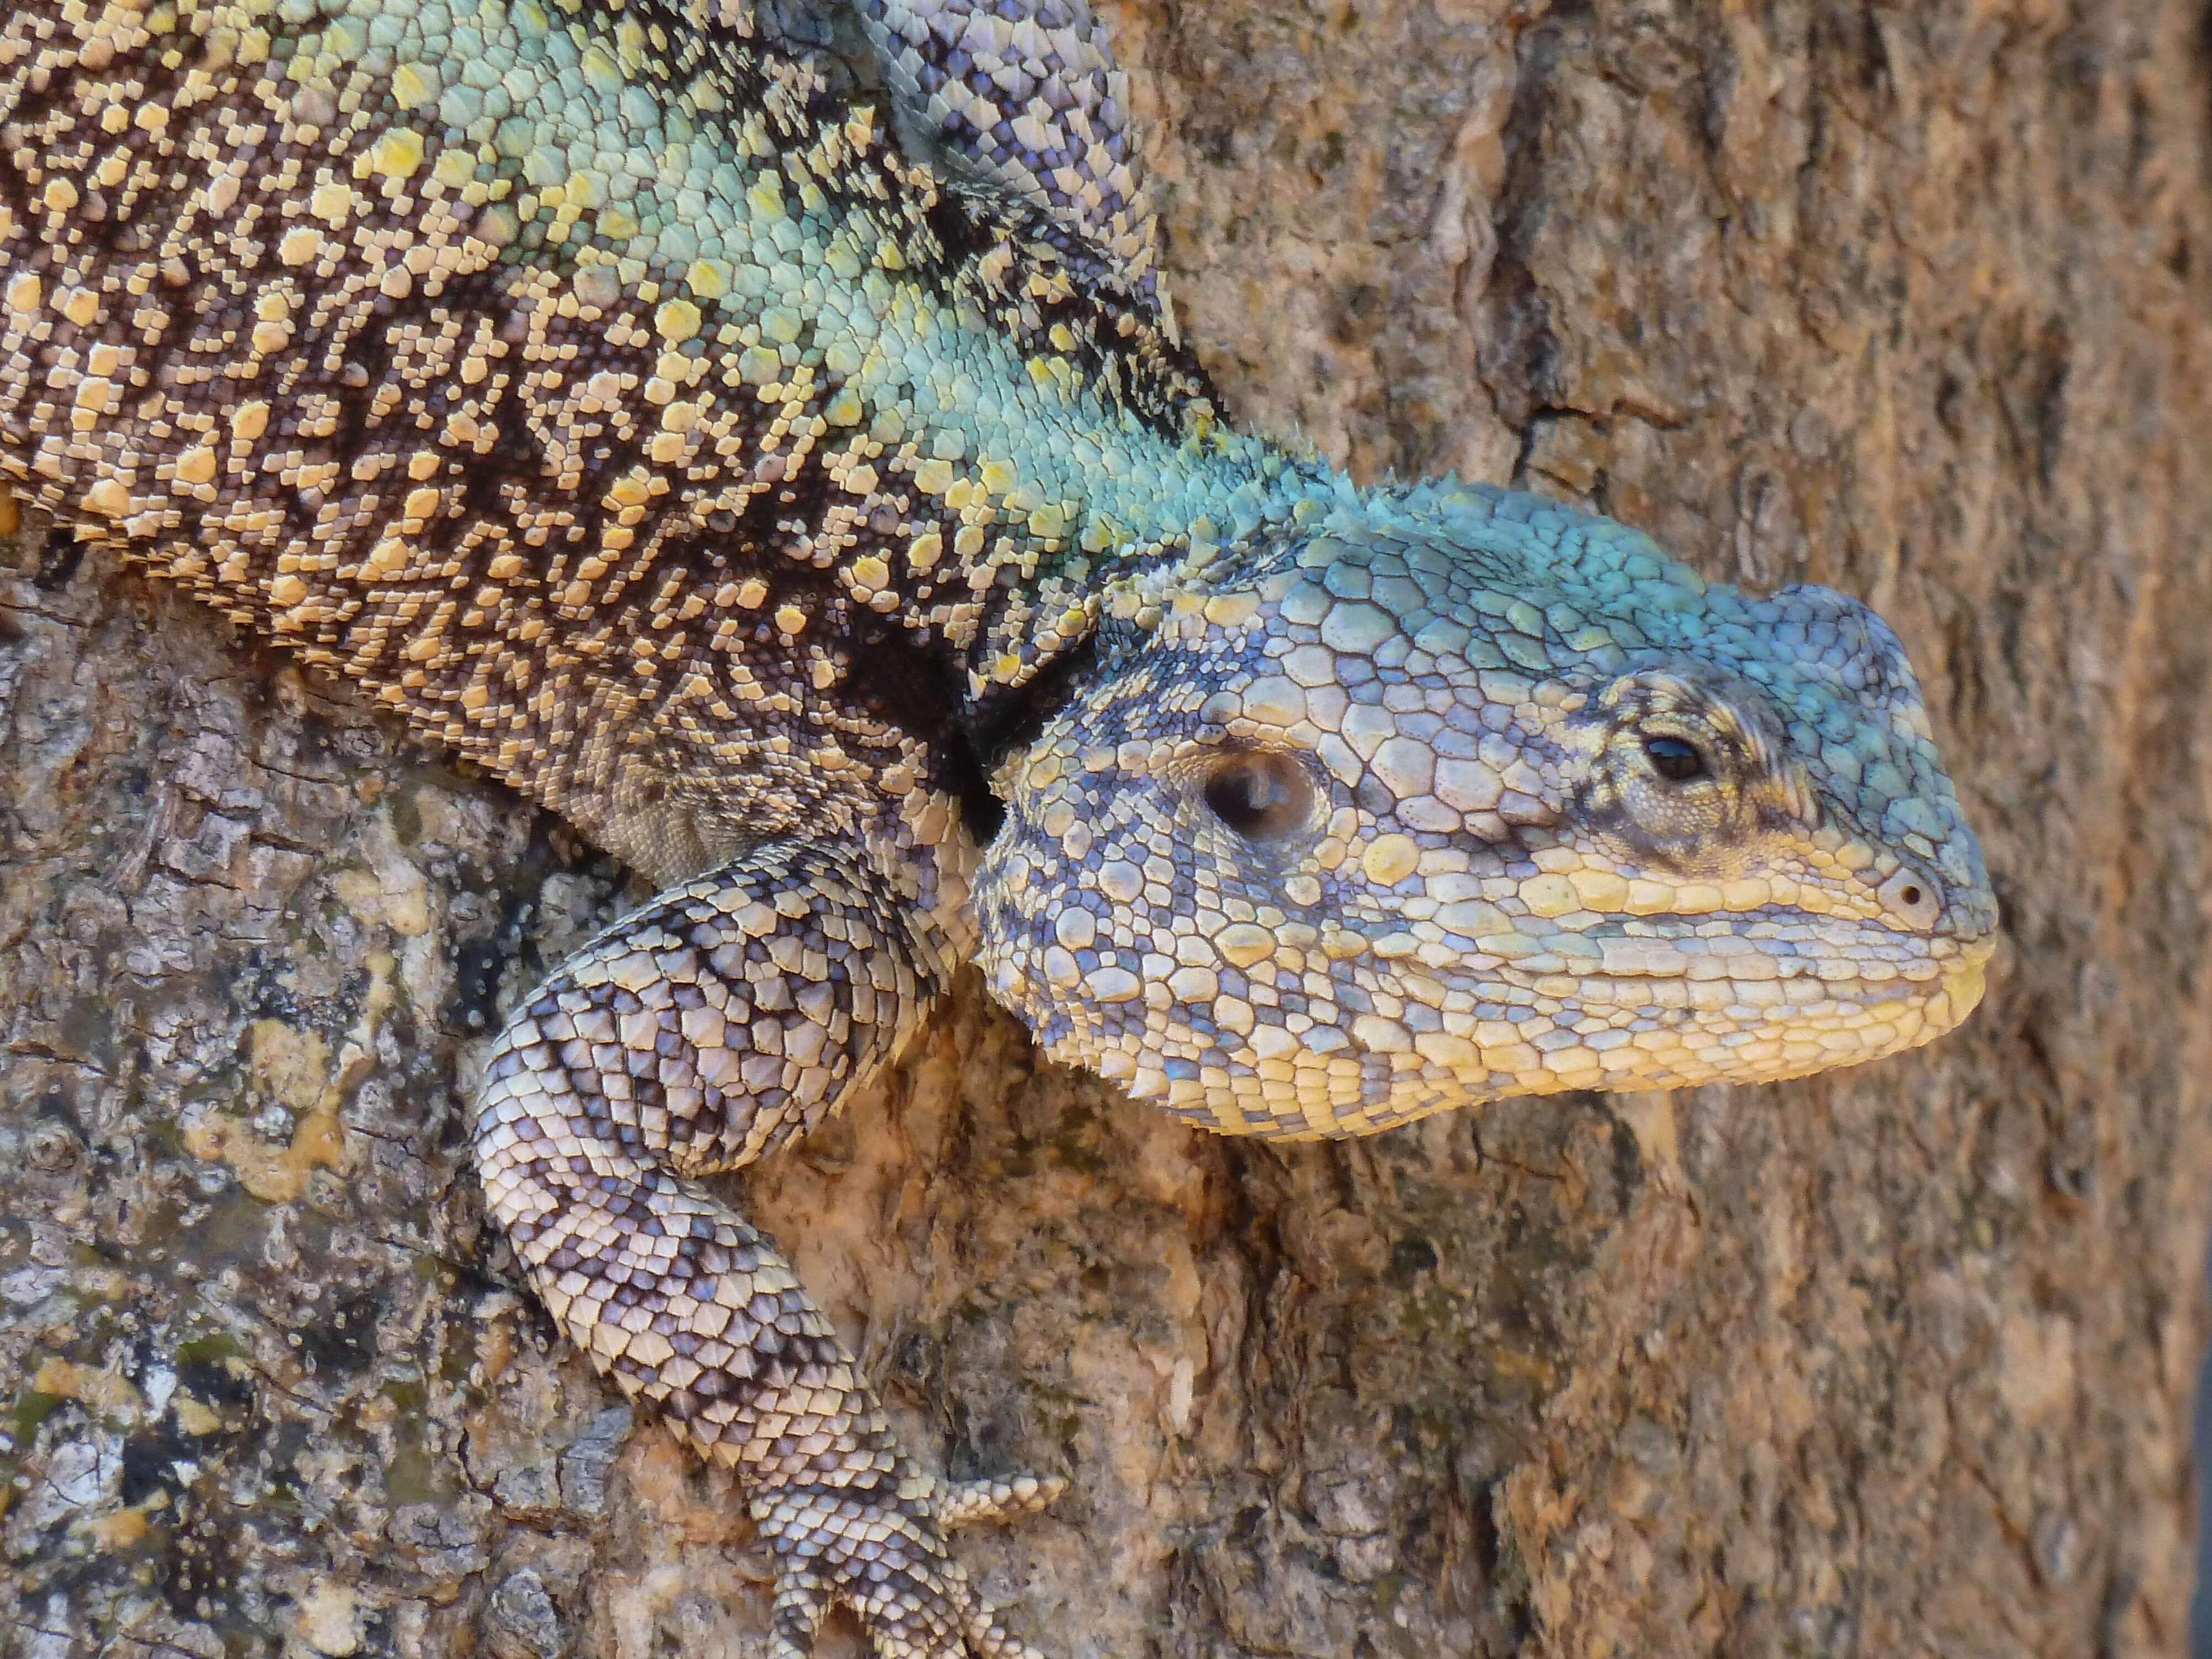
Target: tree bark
[(1911, 299)]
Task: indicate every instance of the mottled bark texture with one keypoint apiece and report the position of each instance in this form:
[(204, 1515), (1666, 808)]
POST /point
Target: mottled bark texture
[(1911, 299)]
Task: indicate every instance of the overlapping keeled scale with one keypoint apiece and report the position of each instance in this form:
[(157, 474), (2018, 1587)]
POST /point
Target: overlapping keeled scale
[(589, 1135)]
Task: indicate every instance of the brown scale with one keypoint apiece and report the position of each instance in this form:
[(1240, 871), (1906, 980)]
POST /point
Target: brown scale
[(276, 427)]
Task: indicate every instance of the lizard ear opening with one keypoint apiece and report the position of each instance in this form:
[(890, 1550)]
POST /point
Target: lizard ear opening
[(1264, 795)]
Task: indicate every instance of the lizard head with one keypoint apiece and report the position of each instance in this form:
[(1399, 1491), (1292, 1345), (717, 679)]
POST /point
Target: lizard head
[(1458, 794)]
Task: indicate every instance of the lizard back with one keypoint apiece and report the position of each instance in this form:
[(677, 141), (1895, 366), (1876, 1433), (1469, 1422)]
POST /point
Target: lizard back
[(600, 386)]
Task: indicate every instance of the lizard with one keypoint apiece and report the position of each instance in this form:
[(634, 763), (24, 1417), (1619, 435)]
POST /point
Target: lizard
[(758, 432)]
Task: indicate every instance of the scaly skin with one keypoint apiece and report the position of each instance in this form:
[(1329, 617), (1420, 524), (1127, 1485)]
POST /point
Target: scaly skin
[(1474, 881), (760, 438)]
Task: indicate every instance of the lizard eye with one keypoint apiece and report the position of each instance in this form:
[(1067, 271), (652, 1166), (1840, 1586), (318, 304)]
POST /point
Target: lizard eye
[(1676, 759), (1261, 796)]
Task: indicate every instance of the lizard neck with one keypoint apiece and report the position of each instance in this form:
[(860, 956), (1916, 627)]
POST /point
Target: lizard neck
[(1001, 438), (596, 387)]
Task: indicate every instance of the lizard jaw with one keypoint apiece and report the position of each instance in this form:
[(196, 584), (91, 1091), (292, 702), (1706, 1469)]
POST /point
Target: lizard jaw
[(1235, 1063)]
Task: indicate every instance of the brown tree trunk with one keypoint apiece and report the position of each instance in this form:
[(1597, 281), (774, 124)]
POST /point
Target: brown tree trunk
[(1908, 298)]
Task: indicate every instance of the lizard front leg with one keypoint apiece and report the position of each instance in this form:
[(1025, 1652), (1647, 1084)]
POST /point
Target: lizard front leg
[(723, 1020)]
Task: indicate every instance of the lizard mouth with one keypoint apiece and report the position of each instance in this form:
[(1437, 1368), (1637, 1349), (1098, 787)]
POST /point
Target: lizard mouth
[(1779, 945), (1779, 959), (1304, 1044), (1670, 1006)]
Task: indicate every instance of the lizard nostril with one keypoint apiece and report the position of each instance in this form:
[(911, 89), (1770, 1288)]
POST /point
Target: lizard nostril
[(1911, 898)]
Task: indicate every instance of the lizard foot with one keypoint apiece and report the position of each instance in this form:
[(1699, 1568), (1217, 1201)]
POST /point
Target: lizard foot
[(717, 1023), (881, 1551)]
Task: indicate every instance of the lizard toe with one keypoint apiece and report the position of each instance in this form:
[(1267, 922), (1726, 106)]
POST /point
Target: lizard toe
[(801, 1600), (989, 1639), (966, 1503)]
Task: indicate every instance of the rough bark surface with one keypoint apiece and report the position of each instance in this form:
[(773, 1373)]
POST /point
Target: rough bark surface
[(1911, 299)]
